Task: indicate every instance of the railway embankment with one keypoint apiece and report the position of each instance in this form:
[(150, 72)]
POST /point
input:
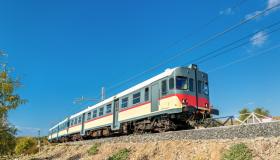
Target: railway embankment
[(263, 140), (271, 129)]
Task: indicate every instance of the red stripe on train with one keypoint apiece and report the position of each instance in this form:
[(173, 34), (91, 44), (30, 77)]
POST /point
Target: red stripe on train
[(191, 101)]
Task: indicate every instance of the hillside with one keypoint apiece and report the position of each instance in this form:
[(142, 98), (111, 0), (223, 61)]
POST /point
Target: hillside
[(261, 141), (262, 148)]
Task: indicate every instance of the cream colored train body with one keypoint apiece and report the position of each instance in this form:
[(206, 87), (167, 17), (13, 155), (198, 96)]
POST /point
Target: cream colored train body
[(175, 93)]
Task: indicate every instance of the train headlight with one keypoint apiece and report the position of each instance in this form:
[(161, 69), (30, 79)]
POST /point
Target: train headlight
[(184, 101)]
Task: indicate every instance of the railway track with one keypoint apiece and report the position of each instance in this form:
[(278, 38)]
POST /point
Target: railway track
[(269, 129)]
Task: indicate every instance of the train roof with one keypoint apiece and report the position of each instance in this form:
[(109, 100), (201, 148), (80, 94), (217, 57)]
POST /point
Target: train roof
[(166, 73), (58, 124)]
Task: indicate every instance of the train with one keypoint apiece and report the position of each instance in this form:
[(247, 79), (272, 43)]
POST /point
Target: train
[(175, 99)]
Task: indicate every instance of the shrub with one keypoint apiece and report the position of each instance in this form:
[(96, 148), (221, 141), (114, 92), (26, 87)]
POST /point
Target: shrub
[(26, 145), (7, 142), (120, 155), (94, 149), (238, 152)]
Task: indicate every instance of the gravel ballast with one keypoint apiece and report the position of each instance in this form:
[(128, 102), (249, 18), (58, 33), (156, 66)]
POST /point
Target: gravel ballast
[(271, 129)]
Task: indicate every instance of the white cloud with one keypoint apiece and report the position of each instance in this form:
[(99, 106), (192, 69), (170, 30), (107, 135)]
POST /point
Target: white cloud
[(258, 39), (227, 11), (251, 15), (270, 4)]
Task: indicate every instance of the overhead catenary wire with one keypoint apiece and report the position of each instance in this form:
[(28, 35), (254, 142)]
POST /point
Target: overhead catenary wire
[(266, 51), (192, 33), (203, 26), (235, 47), (209, 54), (197, 45)]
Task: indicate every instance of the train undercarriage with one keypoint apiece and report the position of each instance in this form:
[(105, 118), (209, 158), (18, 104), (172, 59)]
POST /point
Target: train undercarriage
[(155, 124)]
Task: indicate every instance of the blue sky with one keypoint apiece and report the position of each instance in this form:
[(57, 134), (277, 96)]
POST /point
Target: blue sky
[(65, 49)]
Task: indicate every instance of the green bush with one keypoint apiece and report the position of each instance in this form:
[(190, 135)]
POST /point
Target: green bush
[(7, 140), (26, 145), (94, 149), (120, 155), (238, 152)]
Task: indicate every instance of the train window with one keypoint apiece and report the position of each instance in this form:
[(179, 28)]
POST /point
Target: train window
[(101, 111), (124, 102), (191, 84), (199, 86), (136, 97), (109, 108), (163, 88), (182, 83), (80, 120), (88, 115), (146, 94), (171, 83), (76, 120), (205, 88), (94, 113)]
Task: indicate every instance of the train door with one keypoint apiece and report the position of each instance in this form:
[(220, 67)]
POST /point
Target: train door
[(155, 97), (68, 124), (116, 125), (57, 132), (83, 124)]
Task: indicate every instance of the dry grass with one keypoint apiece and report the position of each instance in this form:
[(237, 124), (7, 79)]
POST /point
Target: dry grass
[(262, 148)]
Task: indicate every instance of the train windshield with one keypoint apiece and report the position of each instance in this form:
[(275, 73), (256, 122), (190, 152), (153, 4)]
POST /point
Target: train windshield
[(182, 83)]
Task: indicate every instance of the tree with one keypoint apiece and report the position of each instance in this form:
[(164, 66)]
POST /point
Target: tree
[(245, 112), (261, 111), (9, 99)]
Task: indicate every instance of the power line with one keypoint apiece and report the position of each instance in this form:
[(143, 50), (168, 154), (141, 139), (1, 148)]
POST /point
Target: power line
[(200, 59), (200, 44), (238, 46), (197, 30), (203, 26), (267, 51)]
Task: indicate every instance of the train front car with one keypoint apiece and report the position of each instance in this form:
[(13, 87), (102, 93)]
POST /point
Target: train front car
[(192, 89)]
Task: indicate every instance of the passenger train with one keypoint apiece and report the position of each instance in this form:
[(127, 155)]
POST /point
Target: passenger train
[(172, 100)]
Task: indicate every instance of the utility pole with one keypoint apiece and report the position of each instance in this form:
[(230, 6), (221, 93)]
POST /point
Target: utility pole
[(79, 100), (39, 142)]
